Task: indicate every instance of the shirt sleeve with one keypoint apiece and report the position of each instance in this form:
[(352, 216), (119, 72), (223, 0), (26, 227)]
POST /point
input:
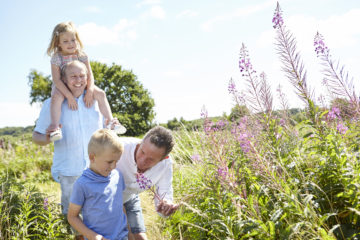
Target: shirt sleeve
[(78, 195), (83, 58), (164, 185), (44, 120), (56, 60)]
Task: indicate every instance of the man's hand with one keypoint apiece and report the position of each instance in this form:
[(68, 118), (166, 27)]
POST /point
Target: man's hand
[(167, 208)]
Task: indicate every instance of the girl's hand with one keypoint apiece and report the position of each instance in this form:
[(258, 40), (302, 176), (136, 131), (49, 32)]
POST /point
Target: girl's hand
[(100, 237), (72, 103), (89, 97)]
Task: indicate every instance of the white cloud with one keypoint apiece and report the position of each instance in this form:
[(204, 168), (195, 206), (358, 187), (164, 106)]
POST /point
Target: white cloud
[(157, 12), (18, 114), (238, 13), (187, 14), (148, 2), (92, 9), (172, 74), (121, 33)]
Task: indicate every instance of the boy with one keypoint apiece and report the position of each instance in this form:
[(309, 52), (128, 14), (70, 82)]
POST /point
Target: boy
[(98, 192)]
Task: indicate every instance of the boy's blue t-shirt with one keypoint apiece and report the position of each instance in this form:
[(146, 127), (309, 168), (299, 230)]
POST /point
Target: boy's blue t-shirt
[(101, 201)]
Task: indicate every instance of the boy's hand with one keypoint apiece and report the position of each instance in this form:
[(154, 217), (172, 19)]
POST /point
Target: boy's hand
[(89, 97), (72, 103), (167, 208)]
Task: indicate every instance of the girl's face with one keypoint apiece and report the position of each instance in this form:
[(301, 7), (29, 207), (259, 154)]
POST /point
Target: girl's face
[(67, 43)]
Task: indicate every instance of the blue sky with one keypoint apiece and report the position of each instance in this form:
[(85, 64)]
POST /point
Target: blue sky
[(183, 52)]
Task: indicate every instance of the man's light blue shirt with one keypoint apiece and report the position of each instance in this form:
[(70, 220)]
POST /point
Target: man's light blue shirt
[(70, 153)]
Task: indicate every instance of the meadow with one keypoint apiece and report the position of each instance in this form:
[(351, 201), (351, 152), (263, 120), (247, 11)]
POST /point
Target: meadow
[(260, 175)]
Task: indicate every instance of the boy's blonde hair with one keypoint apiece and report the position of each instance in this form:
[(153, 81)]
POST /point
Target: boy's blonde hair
[(59, 29), (104, 140)]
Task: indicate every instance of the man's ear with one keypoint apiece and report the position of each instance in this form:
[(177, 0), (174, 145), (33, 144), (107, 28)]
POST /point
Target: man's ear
[(92, 157)]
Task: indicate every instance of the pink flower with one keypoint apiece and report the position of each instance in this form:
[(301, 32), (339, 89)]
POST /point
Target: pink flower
[(277, 19), (341, 128), (320, 47)]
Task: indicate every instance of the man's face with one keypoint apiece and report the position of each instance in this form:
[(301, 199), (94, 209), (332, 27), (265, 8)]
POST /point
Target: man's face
[(148, 155), (76, 79)]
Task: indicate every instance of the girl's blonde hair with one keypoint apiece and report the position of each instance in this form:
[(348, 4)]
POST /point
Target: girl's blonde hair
[(59, 29)]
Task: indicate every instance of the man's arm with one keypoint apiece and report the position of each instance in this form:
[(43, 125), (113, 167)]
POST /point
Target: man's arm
[(41, 139), (165, 206), (76, 222)]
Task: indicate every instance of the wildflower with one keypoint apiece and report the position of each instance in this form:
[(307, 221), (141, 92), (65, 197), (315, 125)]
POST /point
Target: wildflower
[(277, 19), (220, 124), (144, 182), (341, 128), (277, 136), (46, 204), (196, 158), (320, 47), (244, 62), (223, 172), (334, 113), (232, 87), (244, 142), (282, 122)]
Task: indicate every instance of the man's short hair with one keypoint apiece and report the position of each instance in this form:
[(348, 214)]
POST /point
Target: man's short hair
[(104, 140), (161, 138), (66, 65)]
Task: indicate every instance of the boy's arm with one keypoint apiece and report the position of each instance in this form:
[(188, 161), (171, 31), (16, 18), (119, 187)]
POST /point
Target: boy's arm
[(78, 224)]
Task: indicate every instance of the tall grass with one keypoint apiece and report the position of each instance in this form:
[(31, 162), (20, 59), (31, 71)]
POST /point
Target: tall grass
[(263, 178)]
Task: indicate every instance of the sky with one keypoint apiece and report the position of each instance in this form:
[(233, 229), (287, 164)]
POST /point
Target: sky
[(183, 52)]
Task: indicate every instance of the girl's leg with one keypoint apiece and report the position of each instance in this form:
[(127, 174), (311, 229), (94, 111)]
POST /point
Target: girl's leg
[(57, 98), (104, 106)]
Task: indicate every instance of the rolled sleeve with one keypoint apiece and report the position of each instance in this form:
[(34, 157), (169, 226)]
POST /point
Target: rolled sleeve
[(44, 120)]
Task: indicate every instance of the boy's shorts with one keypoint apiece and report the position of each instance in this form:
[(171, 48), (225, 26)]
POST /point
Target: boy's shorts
[(134, 215)]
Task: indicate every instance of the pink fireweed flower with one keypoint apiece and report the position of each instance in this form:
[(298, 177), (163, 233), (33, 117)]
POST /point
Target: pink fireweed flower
[(341, 128), (282, 122), (144, 182), (333, 114), (320, 47), (244, 62), (232, 87), (223, 172), (244, 141), (196, 158), (277, 19), (46, 204)]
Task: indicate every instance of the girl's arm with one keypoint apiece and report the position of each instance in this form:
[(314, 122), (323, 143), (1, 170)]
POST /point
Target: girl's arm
[(89, 96), (76, 222), (55, 72)]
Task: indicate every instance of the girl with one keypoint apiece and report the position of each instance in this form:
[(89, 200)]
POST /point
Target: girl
[(66, 46)]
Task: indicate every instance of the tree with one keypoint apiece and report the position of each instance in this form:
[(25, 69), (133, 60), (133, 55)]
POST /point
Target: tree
[(130, 102), (237, 112)]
